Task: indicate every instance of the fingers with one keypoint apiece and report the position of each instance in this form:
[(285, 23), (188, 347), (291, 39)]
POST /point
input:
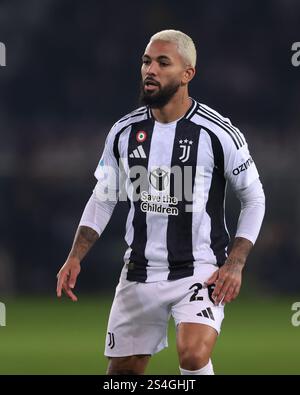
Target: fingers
[(61, 278), (220, 290), (229, 295), (226, 291), (73, 277), (66, 279), (69, 292)]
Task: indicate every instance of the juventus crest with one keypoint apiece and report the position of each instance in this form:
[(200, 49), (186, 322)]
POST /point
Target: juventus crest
[(186, 149)]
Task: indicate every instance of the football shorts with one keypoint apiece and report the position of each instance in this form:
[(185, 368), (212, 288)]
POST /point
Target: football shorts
[(140, 312)]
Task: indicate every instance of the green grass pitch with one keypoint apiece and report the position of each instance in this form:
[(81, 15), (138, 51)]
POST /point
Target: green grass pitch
[(50, 336)]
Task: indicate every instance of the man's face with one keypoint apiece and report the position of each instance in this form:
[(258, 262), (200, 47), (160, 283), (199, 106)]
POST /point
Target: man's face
[(162, 72)]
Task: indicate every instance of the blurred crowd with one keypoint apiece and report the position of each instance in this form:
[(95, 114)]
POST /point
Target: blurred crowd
[(73, 70)]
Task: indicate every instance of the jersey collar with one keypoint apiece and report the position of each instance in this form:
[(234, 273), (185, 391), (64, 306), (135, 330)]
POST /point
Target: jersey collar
[(187, 115)]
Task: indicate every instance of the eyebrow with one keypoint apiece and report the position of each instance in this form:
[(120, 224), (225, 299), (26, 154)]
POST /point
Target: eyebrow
[(161, 57)]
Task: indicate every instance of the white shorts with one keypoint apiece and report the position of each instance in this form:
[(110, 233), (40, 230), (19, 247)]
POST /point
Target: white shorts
[(140, 312)]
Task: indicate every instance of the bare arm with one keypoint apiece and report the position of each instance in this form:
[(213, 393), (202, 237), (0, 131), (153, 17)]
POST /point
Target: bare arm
[(228, 278), (95, 216), (239, 252), (84, 239)]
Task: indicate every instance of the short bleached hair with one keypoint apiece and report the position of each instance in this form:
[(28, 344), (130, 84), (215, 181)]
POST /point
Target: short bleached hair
[(184, 43)]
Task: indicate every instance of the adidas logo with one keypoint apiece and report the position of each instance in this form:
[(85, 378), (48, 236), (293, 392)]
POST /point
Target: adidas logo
[(138, 153), (207, 313)]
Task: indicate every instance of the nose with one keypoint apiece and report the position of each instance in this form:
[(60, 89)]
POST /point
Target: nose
[(151, 69)]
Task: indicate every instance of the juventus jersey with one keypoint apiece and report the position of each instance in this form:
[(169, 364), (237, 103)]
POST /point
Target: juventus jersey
[(174, 177)]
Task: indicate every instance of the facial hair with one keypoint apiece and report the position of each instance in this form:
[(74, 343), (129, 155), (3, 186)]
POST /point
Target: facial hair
[(160, 98)]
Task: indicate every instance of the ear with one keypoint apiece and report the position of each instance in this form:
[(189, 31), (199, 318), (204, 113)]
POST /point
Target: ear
[(188, 75)]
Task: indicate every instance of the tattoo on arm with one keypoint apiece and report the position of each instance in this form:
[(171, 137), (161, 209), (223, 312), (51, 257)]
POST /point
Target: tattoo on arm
[(239, 252), (84, 239)]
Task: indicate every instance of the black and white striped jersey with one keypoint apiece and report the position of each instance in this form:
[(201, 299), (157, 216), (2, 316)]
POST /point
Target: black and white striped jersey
[(174, 176)]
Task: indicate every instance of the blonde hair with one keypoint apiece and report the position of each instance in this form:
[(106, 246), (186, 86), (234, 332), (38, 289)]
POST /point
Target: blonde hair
[(184, 43)]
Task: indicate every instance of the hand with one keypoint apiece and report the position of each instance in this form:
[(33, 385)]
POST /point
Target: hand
[(228, 280), (66, 278)]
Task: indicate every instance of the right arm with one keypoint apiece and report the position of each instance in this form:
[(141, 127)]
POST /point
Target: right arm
[(95, 217), (85, 238)]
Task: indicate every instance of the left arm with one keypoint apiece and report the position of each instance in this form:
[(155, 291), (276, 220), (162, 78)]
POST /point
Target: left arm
[(228, 278)]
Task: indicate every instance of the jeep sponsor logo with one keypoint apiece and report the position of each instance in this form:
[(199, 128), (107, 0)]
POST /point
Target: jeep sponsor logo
[(244, 166)]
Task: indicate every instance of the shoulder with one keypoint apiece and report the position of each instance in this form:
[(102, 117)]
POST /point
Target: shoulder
[(218, 125), (134, 116), (123, 123), (127, 120)]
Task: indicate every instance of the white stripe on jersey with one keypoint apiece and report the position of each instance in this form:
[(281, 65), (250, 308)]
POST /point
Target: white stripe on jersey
[(156, 251), (201, 238)]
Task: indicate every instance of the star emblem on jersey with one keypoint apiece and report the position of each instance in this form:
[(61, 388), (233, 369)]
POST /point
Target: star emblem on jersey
[(141, 136), (186, 149), (138, 153)]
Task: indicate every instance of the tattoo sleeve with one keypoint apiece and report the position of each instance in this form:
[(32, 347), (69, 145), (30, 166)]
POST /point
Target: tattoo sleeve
[(85, 238), (239, 251)]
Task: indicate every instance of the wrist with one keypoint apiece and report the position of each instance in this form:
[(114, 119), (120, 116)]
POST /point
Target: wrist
[(74, 258), (236, 260)]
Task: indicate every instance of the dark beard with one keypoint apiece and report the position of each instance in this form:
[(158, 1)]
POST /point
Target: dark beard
[(160, 98)]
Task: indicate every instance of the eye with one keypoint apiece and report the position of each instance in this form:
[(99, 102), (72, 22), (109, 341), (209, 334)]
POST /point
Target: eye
[(164, 64), (146, 61)]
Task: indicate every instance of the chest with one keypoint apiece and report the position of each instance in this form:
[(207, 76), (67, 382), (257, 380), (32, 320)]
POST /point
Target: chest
[(178, 144)]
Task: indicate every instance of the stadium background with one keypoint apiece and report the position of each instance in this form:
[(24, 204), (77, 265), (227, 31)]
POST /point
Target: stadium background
[(72, 71)]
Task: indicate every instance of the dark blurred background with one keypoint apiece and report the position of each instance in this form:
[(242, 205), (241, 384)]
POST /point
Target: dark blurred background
[(73, 69)]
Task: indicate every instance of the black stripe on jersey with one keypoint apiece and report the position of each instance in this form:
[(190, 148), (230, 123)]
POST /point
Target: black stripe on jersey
[(225, 123), (138, 114), (215, 202), (217, 122), (191, 111), (179, 231), (138, 110), (137, 268), (117, 138), (116, 143)]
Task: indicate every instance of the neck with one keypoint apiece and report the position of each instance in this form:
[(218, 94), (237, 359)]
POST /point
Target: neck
[(174, 109)]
